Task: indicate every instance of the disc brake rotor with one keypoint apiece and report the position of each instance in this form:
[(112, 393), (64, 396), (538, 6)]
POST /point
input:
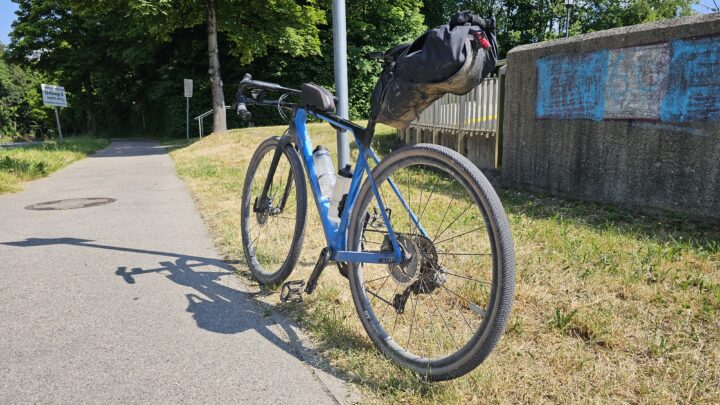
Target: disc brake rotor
[(421, 272), (406, 273)]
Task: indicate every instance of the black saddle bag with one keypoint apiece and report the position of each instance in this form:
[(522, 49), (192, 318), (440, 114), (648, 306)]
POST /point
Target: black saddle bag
[(452, 58)]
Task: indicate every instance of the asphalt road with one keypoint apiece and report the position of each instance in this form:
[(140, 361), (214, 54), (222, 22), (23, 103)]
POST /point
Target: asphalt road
[(130, 302)]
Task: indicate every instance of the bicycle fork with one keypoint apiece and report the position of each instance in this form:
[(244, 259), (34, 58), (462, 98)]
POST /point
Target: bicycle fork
[(263, 203)]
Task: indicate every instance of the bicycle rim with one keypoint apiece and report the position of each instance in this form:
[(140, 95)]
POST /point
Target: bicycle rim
[(438, 313)]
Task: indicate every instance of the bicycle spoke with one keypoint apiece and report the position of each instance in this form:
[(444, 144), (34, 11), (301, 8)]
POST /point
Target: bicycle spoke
[(466, 278), (376, 279), (432, 324), (390, 305), (380, 289), (453, 221), (466, 300), (464, 254), (432, 190), (442, 221), (423, 338), (443, 319), (379, 297), (457, 236), (413, 321)]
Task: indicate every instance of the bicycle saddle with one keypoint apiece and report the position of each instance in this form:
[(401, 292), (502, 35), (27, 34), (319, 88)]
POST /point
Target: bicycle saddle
[(318, 97)]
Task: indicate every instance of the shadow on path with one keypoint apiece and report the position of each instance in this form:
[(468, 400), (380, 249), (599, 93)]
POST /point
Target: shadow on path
[(215, 307)]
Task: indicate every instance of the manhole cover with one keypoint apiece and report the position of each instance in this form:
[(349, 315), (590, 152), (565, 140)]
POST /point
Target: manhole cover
[(70, 204)]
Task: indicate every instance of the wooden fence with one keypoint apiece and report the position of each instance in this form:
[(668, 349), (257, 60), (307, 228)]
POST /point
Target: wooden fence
[(470, 124)]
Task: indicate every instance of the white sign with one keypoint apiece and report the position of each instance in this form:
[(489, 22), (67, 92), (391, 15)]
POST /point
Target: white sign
[(188, 87), (53, 95)]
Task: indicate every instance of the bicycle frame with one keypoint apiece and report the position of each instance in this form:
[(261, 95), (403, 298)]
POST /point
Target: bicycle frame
[(336, 233)]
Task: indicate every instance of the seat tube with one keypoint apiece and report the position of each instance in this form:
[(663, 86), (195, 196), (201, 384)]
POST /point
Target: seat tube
[(398, 254)]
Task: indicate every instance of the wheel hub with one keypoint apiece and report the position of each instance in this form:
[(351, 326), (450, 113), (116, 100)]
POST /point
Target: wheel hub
[(264, 210), (420, 270)]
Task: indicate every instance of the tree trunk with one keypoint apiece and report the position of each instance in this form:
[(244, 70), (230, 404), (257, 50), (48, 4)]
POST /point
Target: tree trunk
[(91, 121), (216, 84)]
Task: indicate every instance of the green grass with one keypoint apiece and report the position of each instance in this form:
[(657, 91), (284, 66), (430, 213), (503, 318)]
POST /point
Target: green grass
[(19, 165), (612, 305)]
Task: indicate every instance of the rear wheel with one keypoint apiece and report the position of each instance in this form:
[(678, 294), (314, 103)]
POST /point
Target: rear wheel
[(441, 311), (273, 230)]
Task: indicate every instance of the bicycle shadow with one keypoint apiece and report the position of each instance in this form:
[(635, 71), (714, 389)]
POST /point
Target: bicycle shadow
[(220, 308), (215, 305)]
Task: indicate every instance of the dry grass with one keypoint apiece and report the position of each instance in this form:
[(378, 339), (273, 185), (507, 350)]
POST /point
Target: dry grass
[(611, 305)]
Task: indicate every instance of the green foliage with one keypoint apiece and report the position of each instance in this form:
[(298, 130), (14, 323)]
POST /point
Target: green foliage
[(561, 318), (526, 21), (18, 165), (21, 112), (371, 25), (122, 61)]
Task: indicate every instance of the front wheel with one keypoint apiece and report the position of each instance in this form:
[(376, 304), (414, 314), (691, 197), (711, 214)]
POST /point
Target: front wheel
[(441, 311), (273, 229)]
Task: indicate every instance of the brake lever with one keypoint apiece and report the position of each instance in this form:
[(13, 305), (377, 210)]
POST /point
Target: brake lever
[(240, 100)]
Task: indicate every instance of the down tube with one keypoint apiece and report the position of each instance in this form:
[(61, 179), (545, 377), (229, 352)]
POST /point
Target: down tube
[(305, 146)]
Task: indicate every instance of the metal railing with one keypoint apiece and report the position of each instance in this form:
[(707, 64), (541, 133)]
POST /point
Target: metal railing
[(473, 112), (459, 122), (200, 118)]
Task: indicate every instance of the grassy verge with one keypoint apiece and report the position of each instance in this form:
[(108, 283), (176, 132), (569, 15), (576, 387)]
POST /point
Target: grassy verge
[(611, 305), (18, 165)]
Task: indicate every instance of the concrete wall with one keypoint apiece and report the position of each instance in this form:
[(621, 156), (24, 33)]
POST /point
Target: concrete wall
[(628, 116)]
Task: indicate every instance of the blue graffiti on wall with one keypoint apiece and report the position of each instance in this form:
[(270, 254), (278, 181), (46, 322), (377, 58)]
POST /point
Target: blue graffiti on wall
[(571, 86), (694, 93), (677, 81)]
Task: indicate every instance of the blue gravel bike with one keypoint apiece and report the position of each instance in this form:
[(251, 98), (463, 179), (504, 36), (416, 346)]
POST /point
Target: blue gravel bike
[(421, 236)]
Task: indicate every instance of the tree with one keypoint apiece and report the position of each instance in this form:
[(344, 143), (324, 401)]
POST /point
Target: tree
[(252, 27), (21, 111), (218, 98), (371, 25), (526, 21), (49, 37), (115, 50)]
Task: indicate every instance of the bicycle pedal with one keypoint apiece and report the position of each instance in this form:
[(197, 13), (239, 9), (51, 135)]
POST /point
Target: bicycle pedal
[(291, 291)]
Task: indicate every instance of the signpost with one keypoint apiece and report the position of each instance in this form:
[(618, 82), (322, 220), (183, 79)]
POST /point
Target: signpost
[(188, 84), (54, 96)]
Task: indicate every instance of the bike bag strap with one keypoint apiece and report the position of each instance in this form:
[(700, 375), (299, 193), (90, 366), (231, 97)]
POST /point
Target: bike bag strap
[(316, 96), (467, 17)]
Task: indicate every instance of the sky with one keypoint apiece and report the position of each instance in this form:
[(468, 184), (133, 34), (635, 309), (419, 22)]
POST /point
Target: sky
[(7, 15)]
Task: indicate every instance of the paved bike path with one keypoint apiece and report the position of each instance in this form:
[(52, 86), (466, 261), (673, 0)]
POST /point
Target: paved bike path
[(130, 302)]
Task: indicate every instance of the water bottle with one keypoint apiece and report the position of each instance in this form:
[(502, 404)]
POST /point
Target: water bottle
[(339, 194), (325, 170)]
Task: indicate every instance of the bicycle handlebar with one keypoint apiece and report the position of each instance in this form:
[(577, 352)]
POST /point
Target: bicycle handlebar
[(240, 102)]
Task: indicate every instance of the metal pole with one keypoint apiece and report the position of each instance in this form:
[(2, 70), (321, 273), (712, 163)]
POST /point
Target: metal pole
[(57, 119), (341, 81), (187, 118), (567, 27)]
